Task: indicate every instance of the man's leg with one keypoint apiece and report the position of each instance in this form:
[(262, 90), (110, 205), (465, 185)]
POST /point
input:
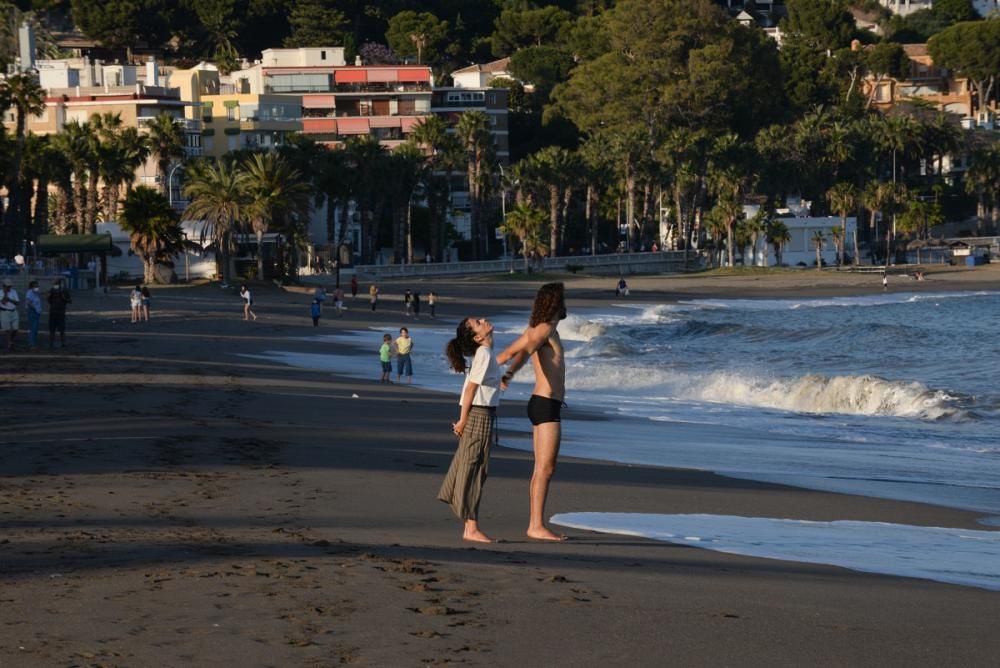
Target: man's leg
[(546, 443)]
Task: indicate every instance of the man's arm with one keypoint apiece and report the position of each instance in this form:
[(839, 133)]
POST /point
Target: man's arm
[(524, 347)]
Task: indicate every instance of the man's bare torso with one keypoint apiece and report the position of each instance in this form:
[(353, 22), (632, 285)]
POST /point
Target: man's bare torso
[(550, 368)]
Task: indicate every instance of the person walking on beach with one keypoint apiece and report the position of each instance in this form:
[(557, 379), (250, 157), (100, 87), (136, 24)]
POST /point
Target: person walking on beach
[(315, 310), (416, 305), (885, 281), (338, 301), (385, 357), (373, 296), (247, 302), (432, 301), (146, 298), (404, 365), (540, 342), (58, 300), (462, 488), (135, 301), (9, 319), (408, 303), (34, 310), (354, 287)]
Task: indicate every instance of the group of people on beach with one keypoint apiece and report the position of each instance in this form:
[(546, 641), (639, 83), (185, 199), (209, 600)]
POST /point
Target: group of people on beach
[(139, 300), (10, 322), (476, 426)]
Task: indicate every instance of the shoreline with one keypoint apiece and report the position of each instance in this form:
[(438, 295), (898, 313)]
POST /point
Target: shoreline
[(197, 504)]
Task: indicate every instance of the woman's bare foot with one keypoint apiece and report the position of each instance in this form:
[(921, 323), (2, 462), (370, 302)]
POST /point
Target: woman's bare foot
[(477, 536), (544, 534)]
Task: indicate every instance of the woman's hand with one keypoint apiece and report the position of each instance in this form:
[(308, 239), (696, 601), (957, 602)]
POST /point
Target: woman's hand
[(458, 427)]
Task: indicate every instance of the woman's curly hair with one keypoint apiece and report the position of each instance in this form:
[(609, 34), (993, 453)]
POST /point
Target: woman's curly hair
[(550, 304), (464, 344)]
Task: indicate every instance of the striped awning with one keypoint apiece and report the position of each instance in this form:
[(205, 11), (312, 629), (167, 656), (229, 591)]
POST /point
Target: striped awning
[(352, 126), (384, 121)]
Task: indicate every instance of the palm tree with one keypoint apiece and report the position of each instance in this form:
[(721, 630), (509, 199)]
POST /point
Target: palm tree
[(754, 228), (153, 227), (275, 191), (983, 180), (122, 151), (473, 130), (25, 95), (218, 197), (818, 240), (166, 145), (77, 143), (837, 234), (778, 235), (527, 224), (446, 156), (727, 179), (843, 198), (365, 157), (875, 197), (557, 169)]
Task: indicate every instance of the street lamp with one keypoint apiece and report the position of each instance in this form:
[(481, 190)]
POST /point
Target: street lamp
[(170, 183), (503, 210)]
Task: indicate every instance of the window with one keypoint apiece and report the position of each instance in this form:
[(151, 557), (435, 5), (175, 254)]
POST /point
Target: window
[(232, 113), (322, 55)]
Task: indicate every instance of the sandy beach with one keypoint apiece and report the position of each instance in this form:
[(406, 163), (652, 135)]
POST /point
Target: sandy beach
[(168, 500)]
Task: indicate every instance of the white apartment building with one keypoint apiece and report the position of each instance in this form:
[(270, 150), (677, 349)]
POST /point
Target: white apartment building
[(904, 7)]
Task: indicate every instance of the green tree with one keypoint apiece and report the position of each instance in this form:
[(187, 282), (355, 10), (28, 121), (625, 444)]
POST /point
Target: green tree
[(818, 240), (518, 28), (77, 144), (543, 67), (166, 144), (843, 199), (473, 131), (122, 24), (275, 193), (970, 50), (446, 155), (218, 198), (153, 227), (983, 180), (23, 93), (955, 11), (778, 235), (886, 59), (121, 154), (419, 34), (812, 30), (316, 23), (527, 224)]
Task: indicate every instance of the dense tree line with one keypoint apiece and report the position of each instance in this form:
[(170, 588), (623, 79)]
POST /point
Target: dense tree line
[(634, 107)]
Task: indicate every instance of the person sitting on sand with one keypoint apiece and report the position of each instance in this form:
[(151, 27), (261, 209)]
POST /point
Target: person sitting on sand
[(462, 488), (540, 342)]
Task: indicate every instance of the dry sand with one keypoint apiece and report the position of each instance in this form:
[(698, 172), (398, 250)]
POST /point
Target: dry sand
[(167, 502)]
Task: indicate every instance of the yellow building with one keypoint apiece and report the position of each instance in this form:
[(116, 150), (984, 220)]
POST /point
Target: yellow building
[(233, 121)]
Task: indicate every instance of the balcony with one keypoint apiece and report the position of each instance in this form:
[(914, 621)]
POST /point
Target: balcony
[(187, 124)]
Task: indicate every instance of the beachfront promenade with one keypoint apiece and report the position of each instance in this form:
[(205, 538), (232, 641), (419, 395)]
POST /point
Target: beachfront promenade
[(610, 264)]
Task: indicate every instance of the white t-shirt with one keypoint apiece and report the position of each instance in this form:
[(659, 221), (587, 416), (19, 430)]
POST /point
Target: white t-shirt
[(486, 373)]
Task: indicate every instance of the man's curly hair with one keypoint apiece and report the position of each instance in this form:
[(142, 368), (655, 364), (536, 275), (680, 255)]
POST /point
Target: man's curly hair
[(550, 304)]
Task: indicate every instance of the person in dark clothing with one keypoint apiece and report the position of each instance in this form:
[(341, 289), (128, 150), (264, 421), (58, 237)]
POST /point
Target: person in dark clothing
[(58, 300)]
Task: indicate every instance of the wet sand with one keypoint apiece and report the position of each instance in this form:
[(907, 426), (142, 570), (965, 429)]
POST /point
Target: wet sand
[(165, 501)]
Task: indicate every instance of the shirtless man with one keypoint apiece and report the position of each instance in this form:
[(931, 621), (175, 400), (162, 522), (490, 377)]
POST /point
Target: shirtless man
[(540, 341)]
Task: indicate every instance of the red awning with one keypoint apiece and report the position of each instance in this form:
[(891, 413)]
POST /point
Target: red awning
[(352, 75), (352, 126), (318, 101), (414, 74), (383, 75), (409, 123), (384, 121)]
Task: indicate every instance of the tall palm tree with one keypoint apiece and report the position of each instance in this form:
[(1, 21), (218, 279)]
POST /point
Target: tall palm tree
[(983, 180), (24, 94), (275, 192), (122, 151), (728, 182), (527, 224), (218, 197), (166, 145), (818, 239), (77, 143), (837, 235), (154, 228), (778, 235), (366, 163), (473, 130), (874, 198), (558, 170), (446, 156), (843, 198)]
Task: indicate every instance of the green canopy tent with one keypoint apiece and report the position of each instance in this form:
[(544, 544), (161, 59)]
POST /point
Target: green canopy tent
[(94, 244)]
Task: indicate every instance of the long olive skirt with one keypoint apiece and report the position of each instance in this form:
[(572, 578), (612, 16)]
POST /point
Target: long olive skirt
[(463, 485)]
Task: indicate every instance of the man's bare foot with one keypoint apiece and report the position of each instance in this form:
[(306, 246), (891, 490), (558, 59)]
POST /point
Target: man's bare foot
[(477, 536), (544, 534)]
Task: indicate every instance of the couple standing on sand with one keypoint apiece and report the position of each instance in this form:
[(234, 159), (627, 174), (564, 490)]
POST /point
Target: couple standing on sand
[(463, 485)]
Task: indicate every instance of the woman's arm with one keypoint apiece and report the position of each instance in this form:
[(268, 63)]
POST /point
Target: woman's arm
[(463, 416)]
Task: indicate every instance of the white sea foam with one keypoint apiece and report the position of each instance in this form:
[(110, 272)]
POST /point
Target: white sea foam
[(956, 556)]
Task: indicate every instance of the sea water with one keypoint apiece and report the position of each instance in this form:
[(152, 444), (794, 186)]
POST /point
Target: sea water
[(891, 395)]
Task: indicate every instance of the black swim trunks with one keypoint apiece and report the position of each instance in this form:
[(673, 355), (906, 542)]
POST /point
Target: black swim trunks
[(544, 409)]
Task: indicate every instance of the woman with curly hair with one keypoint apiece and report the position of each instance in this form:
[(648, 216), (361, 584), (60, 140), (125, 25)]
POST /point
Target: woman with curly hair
[(540, 342), (462, 488)]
